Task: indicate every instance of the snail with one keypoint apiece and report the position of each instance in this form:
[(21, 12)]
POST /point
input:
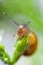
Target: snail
[(24, 30)]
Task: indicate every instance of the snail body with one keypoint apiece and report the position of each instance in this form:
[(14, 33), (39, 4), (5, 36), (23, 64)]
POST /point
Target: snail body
[(32, 40)]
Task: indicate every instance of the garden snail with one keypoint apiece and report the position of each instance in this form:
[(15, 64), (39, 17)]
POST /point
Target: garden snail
[(23, 30)]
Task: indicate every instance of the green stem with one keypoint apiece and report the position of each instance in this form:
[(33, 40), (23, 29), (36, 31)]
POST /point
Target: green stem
[(20, 47)]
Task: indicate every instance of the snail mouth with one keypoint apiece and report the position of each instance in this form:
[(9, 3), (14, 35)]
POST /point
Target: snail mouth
[(22, 34)]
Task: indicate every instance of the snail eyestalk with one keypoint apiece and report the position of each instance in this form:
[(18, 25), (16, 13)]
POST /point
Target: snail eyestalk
[(27, 23), (4, 13)]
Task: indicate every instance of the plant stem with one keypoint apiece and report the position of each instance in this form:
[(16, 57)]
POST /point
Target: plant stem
[(20, 47)]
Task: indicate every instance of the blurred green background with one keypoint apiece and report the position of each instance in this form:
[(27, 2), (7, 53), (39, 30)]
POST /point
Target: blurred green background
[(22, 11)]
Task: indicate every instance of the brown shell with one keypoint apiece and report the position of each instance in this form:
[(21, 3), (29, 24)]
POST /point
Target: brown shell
[(32, 45)]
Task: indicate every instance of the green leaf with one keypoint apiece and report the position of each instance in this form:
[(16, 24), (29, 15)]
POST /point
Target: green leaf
[(2, 48), (4, 55)]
